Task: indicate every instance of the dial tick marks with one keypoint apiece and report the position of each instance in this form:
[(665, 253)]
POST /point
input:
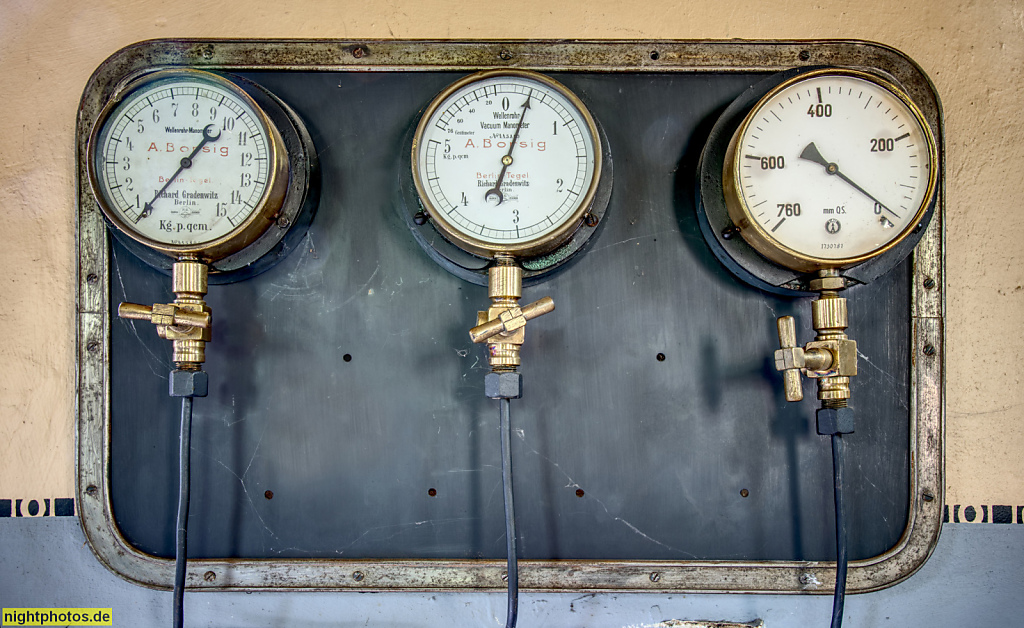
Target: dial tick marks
[(506, 160)]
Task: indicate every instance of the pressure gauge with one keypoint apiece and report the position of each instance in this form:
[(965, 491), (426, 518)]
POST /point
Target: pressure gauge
[(507, 162), (187, 163), (829, 169)]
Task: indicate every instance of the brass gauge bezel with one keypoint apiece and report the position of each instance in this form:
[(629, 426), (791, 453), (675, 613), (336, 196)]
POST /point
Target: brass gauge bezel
[(759, 238), (530, 248), (259, 219)]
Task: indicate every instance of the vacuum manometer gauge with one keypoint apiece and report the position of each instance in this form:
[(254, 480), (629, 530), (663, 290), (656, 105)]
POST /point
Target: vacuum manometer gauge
[(507, 162)]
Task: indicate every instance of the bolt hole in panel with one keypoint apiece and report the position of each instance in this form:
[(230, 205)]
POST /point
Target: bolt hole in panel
[(346, 431)]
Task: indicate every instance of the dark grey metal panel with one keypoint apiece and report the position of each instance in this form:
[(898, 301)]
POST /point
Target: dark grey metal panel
[(661, 449)]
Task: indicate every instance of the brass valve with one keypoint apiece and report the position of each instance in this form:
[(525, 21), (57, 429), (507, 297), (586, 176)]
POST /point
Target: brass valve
[(164, 315), (511, 319), (831, 357), (503, 325), (187, 321)]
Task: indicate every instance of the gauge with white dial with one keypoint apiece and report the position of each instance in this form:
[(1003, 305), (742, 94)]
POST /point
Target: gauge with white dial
[(829, 169), (186, 162), (508, 162)]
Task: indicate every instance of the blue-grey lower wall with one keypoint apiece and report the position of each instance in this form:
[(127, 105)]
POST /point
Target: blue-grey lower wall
[(974, 578)]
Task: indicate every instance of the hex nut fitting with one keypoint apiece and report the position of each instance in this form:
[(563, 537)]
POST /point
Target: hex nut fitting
[(827, 283), (503, 385), (835, 421), (185, 383)]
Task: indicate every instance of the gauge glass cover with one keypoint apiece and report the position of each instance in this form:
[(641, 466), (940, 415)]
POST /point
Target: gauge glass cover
[(186, 162), (829, 169), (506, 162)]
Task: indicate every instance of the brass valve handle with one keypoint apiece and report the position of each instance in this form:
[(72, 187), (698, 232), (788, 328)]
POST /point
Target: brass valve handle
[(813, 360), (511, 320), (789, 359), (164, 314)]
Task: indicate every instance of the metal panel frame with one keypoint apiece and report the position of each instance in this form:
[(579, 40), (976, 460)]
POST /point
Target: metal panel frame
[(93, 333)]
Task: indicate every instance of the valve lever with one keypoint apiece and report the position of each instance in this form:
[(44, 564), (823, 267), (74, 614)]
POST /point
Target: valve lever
[(789, 359), (512, 319), (164, 314)]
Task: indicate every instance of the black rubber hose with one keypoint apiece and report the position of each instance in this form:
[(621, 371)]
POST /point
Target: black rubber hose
[(510, 515), (839, 597), (181, 545)]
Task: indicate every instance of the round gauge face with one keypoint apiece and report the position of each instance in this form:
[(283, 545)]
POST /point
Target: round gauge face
[(186, 162), (506, 162), (830, 169)]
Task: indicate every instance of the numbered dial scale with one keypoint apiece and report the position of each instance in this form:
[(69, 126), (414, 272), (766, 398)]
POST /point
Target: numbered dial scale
[(508, 162), (829, 169), (187, 163)]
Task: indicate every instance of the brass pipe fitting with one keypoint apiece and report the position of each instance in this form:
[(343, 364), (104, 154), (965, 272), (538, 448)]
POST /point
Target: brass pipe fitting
[(511, 320), (160, 314), (187, 321), (503, 325), (831, 357)]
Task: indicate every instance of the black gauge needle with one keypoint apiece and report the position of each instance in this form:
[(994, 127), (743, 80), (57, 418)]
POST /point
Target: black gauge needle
[(811, 153), (186, 162), (506, 160)]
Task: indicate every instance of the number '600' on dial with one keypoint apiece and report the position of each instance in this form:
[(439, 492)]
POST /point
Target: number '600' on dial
[(506, 162)]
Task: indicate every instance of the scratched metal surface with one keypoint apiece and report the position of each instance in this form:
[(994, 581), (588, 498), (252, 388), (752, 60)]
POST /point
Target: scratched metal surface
[(350, 448)]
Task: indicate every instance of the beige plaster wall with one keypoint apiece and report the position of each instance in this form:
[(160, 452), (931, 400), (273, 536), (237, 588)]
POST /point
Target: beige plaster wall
[(973, 50)]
